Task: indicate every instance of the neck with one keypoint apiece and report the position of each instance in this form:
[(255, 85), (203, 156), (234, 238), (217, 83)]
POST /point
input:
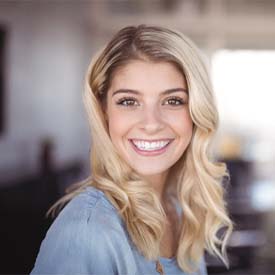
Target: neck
[(158, 182)]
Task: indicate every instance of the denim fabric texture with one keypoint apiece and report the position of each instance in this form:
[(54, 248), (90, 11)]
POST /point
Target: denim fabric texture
[(89, 237)]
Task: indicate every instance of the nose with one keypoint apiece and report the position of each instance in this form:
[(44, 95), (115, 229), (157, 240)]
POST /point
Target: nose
[(151, 120)]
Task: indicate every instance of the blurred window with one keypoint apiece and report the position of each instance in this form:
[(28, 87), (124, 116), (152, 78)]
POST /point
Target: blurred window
[(245, 90)]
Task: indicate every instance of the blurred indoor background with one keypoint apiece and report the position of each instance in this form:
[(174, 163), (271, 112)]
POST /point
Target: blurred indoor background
[(45, 48)]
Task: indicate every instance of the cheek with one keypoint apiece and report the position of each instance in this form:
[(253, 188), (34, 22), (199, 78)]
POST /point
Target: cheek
[(181, 123), (119, 124)]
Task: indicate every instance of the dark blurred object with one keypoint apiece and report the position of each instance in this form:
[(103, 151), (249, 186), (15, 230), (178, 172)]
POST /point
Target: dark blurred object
[(2, 77), (23, 207), (47, 156), (48, 170), (248, 235)]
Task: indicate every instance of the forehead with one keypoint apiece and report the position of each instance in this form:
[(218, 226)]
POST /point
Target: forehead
[(142, 74)]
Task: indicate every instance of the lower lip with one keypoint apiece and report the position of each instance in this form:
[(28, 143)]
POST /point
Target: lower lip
[(151, 153)]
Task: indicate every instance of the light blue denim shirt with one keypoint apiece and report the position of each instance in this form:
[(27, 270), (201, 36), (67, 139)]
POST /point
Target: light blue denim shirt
[(89, 237)]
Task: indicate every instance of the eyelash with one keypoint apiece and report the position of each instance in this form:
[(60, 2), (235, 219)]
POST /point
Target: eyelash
[(121, 101)]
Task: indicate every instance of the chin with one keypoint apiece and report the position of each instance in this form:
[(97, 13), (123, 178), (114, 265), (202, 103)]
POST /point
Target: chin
[(149, 171)]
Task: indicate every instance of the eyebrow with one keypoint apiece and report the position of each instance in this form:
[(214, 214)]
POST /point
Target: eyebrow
[(166, 92)]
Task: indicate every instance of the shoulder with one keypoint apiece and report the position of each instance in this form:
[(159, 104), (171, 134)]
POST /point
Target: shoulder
[(88, 201), (88, 211), (83, 238), (84, 207)]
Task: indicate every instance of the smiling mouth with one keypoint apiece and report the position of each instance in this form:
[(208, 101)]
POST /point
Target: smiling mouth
[(150, 147)]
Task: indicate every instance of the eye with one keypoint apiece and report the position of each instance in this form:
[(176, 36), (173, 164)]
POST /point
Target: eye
[(174, 101), (127, 101)]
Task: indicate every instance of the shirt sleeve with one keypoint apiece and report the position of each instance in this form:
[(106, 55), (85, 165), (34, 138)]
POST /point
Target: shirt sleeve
[(79, 243)]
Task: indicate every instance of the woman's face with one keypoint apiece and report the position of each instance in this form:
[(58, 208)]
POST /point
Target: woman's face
[(148, 116)]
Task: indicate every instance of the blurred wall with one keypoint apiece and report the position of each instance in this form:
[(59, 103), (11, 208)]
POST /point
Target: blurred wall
[(47, 53)]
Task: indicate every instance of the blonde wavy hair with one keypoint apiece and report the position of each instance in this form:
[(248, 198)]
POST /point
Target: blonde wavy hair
[(195, 180)]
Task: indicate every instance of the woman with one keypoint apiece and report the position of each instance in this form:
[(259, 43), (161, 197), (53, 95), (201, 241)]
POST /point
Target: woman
[(154, 201)]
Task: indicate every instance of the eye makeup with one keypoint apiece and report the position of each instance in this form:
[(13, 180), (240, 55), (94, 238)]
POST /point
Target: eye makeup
[(131, 101), (126, 101), (177, 101)]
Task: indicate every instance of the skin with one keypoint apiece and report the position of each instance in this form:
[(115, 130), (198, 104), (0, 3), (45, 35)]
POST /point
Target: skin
[(150, 115)]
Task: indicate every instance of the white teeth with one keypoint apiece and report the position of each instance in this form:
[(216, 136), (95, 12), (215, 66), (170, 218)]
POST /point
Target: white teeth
[(150, 146)]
